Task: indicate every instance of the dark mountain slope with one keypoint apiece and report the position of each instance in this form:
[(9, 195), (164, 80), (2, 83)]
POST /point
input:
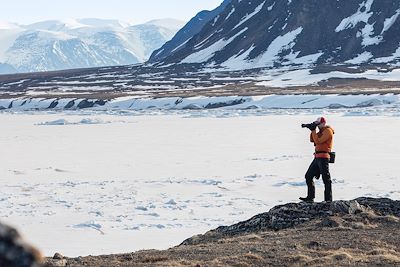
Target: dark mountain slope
[(264, 33)]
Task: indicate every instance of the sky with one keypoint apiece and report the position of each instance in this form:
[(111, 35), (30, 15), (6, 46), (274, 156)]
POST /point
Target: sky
[(134, 11)]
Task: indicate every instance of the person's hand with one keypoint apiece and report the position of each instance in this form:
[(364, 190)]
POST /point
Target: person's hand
[(313, 127)]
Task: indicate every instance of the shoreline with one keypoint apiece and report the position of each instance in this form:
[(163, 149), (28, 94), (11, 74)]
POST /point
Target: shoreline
[(203, 102)]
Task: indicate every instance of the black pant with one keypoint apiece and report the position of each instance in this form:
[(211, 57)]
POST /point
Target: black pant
[(319, 167)]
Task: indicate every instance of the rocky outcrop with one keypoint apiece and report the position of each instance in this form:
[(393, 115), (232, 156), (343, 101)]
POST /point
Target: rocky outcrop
[(294, 214), (14, 252), (360, 232), (381, 206)]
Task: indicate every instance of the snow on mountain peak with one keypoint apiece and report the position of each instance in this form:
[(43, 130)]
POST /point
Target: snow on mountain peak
[(53, 35), (7, 25), (168, 23), (103, 23), (73, 24), (70, 24)]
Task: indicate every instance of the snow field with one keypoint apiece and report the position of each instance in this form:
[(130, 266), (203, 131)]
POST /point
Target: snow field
[(121, 183)]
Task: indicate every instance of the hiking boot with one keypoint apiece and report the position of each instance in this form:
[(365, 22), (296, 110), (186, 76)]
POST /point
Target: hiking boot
[(307, 199)]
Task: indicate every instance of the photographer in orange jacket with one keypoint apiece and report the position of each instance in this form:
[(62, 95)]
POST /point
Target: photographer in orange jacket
[(323, 142)]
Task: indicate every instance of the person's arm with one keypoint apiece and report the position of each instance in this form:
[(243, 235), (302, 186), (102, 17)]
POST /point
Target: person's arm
[(326, 135), (311, 138)]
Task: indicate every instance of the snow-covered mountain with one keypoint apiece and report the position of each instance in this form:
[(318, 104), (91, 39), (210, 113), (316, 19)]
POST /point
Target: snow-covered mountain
[(193, 27), (5, 69), (8, 34), (55, 45), (271, 33)]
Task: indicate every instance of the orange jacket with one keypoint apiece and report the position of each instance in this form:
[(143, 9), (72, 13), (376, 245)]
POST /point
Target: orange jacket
[(323, 141)]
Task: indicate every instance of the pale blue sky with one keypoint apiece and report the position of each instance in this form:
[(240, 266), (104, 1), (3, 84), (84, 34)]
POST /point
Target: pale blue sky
[(137, 11)]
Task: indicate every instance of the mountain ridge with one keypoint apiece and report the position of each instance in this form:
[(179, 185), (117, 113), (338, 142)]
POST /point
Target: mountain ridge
[(191, 28), (81, 43)]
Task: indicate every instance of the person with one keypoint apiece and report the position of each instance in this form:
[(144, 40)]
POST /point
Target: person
[(323, 142)]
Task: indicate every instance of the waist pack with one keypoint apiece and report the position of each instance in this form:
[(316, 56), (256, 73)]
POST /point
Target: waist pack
[(332, 155)]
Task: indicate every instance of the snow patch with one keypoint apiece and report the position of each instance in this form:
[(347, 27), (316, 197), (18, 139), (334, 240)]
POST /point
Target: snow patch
[(236, 61), (81, 122), (304, 77), (271, 6), (359, 16), (394, 56), (390, 21), (207, 53), (230, 13), (364, 57), (268, 58), (363, 14), (249, 16), (90, 225), (281, 43), (215, 20)]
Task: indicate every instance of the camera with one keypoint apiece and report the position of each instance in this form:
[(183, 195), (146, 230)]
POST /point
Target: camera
[(311, 126)]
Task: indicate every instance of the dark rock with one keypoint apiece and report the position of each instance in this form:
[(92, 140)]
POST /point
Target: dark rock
[(225, 104), (70, 104), (178, 101), (381, 206), (58, 256), (85, 104), (329, 222), (91, 103), (56, 263), (313, 244), (100, 102), (53, 104), (252, 107), (14, 252)]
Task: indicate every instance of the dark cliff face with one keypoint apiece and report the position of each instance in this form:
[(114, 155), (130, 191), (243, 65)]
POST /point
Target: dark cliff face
[(266, 33), (194, 26)]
